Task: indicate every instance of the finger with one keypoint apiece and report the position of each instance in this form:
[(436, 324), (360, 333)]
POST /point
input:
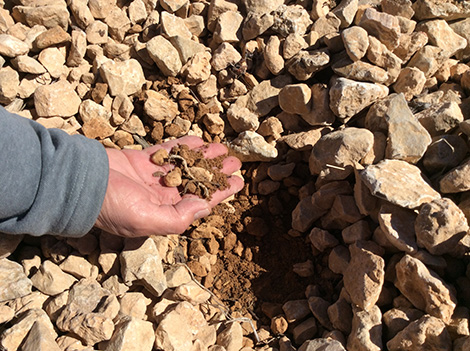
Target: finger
[(214, 150), (230, 165), (235, 185), (190, 140), (175, 219)]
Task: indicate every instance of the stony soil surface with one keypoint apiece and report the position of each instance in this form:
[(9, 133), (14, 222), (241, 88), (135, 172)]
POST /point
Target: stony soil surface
[(352, 121)]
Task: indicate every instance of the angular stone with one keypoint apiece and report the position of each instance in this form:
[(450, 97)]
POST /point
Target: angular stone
[(77, 48), (348, 97), (118, 23), (231, 338), (141, 263), (410, 44), (424, 288), (319, 308), (320, 112), (440, 34), (28, 64), (336, 153), (78, 266), (440, 226), (429, 9), (49, 16), (6, 314), (340, 314), (364, 277), (401, 8), (174, 26), (165, 55), (51, 280), (360, 71), (40, 338), (56, 99), (304, 214), (132, 334), (326, 25), (410, 82), (399, 183), (396, 319), (54, 36), (198, 68), (264, 97), (262, 6), (179, 327), (322, 344), (228, 26), (381, 25), (97, 33), (296, 310), (397, 225), (366, 332), (216, 8), (242, 119), (303, 65), (429, 59), (346, 11), (9, 85), (322, 239), (295, 98), (445, 152), (441, 118), (159, 107), (305, 331), (356, 42), (292, 45), (224, 56), (291, 19), (125, 77), (97, 128), (380, 55), (14, 283), (427, 333), (12, 338), (53, 59), (192, 293), (249, 146), (456, 180)]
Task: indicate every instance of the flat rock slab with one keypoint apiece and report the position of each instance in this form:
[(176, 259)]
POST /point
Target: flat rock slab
[(399, 183)]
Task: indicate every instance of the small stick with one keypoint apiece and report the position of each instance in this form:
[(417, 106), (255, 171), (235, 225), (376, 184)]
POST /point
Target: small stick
[(336, 167)]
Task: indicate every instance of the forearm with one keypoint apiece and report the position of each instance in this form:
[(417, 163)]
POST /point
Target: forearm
[(50, 182)]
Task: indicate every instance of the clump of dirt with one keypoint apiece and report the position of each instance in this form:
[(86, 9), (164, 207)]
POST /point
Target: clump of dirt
[(192, 172)]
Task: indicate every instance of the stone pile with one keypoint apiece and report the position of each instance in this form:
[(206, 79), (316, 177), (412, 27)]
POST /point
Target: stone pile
[(358, 108)]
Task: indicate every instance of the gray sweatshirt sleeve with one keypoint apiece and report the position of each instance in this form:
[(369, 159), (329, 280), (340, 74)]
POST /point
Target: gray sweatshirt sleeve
[(50, 182)]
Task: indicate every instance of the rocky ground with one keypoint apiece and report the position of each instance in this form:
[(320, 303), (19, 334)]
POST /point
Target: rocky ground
[(352, 120)]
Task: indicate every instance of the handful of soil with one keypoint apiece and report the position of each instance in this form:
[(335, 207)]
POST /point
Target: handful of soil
[(192, 172)]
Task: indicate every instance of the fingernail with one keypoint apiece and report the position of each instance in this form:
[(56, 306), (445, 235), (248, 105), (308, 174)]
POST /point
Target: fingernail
[(202, 213)]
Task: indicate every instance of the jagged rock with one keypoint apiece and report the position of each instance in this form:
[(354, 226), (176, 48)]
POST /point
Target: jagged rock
[(303, 65), (364, 277), (445, 152), (295, 98), (442, 118), (51, 280), (397, 319), (360, 71), (440, 226), (348, 97), (356, 42), (290, 19), (14, 283), (441, 35), (429, 9), (132, 333), (424, 289), (456, 180), (366, 331), (249, 146), (164, 54), (123, 77), (427, 333), (399, 183)]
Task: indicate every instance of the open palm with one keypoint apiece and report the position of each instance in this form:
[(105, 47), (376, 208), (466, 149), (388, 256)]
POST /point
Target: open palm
[(138, 204)]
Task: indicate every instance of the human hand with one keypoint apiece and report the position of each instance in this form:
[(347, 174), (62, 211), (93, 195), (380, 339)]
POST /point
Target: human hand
[(138, 204)]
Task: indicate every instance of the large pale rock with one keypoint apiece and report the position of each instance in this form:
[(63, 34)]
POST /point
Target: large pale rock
[(13, 282), (165, 55), (381, 25), (443, 36), (380, 55), (11, 46), (430, 9), (40, 338), (456, 180), (424, 288), (292, 45), (429, 59), (126, 77), (231, 338), (56, 99), (118, 23), (224, 56), (348, 97), (242, 119), (216, 8), (134, 304), (356, 42), (336, 153), (397, 225), (78, 266), (360, 71), (54, 36), (410, 82), (364, 277), (262, 6), (427, 333), (295, 98), (132, 334), (27, 64), (12, 338), (264, 97), (366, 331), (320, 112), (401, 8), (174, 26), (441, 118), (89, 110), (9, 85), (407, 138), (462, 28), (179, 328), (192, 293), (89, 312), (291, 19), (159, 107), (440, 226), (322, 344), (141, 263), (399, 183), (51, 280), (249, 146), (228, 26), (48, 15), (198, 68), (410, 44), (346, 11)]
